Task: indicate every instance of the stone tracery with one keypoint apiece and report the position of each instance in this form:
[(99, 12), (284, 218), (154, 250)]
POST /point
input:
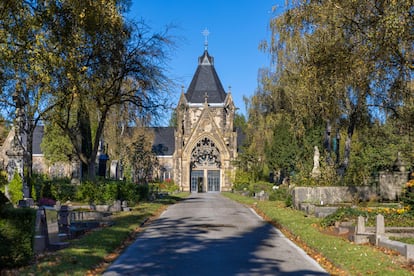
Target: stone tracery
[(205, 154)]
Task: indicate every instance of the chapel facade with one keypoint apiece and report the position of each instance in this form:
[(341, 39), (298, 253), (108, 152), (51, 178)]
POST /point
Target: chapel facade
[(196, 153), (205, 140)]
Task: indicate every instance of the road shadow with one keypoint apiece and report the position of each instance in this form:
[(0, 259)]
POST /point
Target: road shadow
[(180, 247)]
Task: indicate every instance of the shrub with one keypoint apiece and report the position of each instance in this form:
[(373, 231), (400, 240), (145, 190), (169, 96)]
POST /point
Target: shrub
[(342, 214), (62, 189), (17, 230), (109, 191), (16, 188), (169, 186), (143, 191), (281, 193), (256, 187), (408, 195), (88, 192), (42, 187), (128, 191)]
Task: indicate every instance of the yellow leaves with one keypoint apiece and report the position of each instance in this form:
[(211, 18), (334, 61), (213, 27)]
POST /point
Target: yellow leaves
[(386, 210), (83, 69), (410, 184)]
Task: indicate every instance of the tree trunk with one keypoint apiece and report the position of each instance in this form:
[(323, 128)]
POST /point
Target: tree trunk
[(348, 143), (28, 164), (327, 143)]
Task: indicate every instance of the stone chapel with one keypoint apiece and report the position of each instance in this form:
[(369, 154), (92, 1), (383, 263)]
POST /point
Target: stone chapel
[(205, 140), (197, 153)]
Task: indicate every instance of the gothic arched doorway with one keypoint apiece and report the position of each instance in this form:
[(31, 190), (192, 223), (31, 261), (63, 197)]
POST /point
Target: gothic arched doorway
[(205, 167)]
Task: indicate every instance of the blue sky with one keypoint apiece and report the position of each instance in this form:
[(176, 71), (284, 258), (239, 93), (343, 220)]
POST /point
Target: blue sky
[(236, 29)]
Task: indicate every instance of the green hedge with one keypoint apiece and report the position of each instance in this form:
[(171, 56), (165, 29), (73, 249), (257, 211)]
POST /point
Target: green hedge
[(99, 191), (17, 230)]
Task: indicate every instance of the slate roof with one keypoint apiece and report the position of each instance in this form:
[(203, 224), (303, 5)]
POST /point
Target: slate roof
[(164, 141), (37, 139), (205, 81)]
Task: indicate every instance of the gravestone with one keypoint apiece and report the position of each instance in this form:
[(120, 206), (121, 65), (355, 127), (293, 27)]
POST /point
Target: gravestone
[(361, 225), (114, 170), (41, 235), (125, 206), (54, 236), (379, 228), (64, 219), (116, 206), (52, 225)]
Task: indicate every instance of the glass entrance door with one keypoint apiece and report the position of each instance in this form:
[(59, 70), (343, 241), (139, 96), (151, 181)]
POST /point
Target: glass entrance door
[(197, 181), (213, 181)]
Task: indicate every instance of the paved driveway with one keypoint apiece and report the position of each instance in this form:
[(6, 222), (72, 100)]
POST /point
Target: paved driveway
[(208, 234)]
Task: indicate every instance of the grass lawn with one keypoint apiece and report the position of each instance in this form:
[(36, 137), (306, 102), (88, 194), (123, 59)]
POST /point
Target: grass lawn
[(404, 240), (91, 253), (337, 255)]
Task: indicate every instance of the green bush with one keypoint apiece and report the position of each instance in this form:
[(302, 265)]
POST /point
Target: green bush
[(241, 181), (42, 187), (128, 192), (168, 186), (259, 186), (87, 192), (408, 195), (143, 191), (343, 214), (62, 190), (110, 191), (17, 230), (16, 188), (281, 194), (241, 186)]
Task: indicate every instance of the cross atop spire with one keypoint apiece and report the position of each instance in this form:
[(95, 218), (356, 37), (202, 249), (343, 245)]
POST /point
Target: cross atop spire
[(205, 34)]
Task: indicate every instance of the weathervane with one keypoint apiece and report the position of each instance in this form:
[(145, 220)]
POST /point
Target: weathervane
[(205, 34)]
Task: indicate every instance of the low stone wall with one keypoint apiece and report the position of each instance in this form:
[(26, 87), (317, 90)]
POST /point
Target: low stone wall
[(388, 186), (332, 195)]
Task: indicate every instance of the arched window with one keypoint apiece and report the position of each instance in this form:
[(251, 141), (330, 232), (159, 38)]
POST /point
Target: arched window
[(205, 154)]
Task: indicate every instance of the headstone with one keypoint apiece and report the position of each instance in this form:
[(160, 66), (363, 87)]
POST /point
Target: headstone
[(361, 225), (316, 172), (113, 172), (27, 202), (379, 228), (52, 225), (64, 219), (125, 206), (116, 207), (41, 235)]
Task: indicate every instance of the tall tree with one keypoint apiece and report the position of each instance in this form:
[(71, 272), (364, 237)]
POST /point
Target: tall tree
[(105, 63), (345, 62), (26, 63)]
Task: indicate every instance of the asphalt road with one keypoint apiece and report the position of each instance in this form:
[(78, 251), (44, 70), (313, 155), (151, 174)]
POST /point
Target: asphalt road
[(208, 234)]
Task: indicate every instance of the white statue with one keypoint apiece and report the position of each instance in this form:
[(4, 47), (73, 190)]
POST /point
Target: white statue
[(316, 172)]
